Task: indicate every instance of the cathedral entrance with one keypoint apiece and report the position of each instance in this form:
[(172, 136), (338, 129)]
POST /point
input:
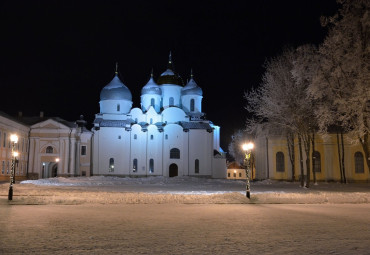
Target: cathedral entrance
[(173, 171)]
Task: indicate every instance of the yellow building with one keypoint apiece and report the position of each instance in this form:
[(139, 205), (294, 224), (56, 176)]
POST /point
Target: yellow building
[(272, 159)]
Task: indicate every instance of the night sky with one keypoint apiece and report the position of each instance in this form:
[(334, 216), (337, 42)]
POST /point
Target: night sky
[(56, 56)]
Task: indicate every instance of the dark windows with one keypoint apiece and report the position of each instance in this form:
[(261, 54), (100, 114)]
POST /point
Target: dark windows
[(152, 102), (280, 164), (118, 107), (317, 166), (83, 150), (151, 165), (192, 103), (49, 149), (197, 166), (174, 153), (171, 101), (359, 163), (134, 165), (111, 165)]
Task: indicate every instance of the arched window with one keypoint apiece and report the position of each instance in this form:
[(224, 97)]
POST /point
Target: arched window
[(151, 137), (49, 149), (134, 165), (317, 166), (192, 103), (359, 163), (174, 153), (152, 101), (135, 136), (280, 165), (197, 166), (166, 136), (111, 165), (151, 165), (118, 107), (171, 101)]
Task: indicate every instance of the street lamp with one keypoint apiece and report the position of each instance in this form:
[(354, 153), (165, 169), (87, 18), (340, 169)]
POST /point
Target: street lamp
[(14, 140), (247, 148)]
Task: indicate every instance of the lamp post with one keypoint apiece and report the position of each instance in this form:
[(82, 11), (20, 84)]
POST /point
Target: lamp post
[(247, 148), (14, 140)]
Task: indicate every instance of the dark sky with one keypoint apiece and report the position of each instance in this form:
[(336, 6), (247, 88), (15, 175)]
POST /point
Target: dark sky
[(56, 56)]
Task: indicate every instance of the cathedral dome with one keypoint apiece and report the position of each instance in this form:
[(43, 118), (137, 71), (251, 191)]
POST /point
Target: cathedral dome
[(169, 76), (115, 90), (151, 88), (191, 88)]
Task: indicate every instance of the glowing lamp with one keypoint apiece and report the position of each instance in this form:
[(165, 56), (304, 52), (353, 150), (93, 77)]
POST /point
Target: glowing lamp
[(248, 146), (14, 138)]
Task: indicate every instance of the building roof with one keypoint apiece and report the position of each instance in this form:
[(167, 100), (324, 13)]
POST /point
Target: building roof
[(115, 90), (191, 88), (113, 123), (151, 88), (195, 125)]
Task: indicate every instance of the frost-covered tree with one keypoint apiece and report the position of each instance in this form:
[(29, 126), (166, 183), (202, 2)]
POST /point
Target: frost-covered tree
[(342, 83), (282, 101)]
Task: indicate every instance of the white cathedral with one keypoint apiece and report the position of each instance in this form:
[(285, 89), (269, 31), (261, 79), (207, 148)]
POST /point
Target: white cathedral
[(167, 136)]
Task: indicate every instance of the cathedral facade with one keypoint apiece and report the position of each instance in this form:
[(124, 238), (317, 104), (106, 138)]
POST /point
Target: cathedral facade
[(167, 136)]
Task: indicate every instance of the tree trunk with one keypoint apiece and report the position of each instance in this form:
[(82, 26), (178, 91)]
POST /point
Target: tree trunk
[(290, 142), (339, 158), (301, 159), (307, 146), (313, 158), (365, 146), (343, 167)]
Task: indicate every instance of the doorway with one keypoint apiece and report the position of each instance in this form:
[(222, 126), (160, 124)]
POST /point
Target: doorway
[(173, 170)]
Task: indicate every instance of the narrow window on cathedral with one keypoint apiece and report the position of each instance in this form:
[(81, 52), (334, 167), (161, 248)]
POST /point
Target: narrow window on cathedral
[(151, 137), (359, 163), (228, 174), (174, 153), (119, 137), (166, 137), (136, 120), (151, 121), (192, 103), (4, 141), (111, 165), (83, 150), (135, 136), (197, 166), (49, 149), (3, 167), (240, 174), (152, 102), (118, 107), (7, 167), (151, 165), (134, 165), (280, 164), (171, 101)]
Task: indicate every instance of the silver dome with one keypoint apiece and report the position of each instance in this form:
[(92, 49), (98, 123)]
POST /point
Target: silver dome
[(115, 90), (151, 88), (191, 88)]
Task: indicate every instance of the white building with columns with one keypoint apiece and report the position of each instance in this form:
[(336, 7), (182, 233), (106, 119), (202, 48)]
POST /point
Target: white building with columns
[(167, 136)]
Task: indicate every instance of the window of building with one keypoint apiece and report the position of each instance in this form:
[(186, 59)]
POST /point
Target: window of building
[(192, 103), (151, 121), (240, 174), (359, 163), (4, 141), (228, 174), (166, 136), (3, 167), (119, 137), (317, 166), (135, 136), (174, 153), (151, 137), (49, 149), (134, 165), (151, 165), (118, 107), (83, 150), (7, 167), (152, 102), (280, 164), (234, 174), (197, 166), (136, 120), (111, 165), (171, 101), (22, 144)]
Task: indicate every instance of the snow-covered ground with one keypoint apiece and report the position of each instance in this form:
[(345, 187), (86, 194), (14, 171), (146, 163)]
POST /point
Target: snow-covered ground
[(117, 190), (182, 215)]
